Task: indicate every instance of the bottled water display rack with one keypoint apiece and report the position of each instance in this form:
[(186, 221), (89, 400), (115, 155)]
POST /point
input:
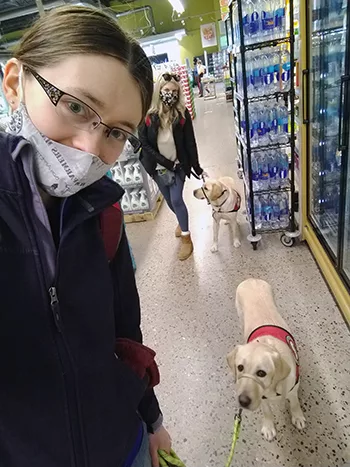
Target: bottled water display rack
[(264, 94)]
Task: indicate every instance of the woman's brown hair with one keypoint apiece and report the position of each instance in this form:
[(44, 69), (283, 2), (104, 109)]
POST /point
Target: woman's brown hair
[(72, 30)]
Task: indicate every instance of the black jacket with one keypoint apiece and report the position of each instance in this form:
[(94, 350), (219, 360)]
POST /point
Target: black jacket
[(65, 399), (185, 142)]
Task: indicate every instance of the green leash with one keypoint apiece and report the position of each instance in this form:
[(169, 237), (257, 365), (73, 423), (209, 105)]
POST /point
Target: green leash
[(169, 460), (235, 436)]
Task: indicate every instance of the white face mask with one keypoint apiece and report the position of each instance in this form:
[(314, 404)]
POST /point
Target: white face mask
[(60, 170)]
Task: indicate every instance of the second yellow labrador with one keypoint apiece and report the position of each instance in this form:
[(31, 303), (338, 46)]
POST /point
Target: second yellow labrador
[(225, 202), (266, 367)]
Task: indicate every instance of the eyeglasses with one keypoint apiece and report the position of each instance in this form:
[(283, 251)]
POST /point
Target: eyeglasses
[(170, 76), (80, 115)]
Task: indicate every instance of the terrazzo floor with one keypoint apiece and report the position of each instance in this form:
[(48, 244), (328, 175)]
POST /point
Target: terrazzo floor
[(189, 318)]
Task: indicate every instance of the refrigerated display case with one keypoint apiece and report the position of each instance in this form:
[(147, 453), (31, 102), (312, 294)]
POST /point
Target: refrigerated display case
[(326, 112)]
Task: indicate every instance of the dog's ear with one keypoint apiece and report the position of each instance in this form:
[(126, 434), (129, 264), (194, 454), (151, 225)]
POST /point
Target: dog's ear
[(216, 191), (231, 360), (282, 370)]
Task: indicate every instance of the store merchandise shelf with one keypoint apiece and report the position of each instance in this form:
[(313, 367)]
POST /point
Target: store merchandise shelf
[(236, 50), (266, 97), (316, 134), (268, 43), (270, 191), (131, 186), (272, 231), (324, 31), (266, 147)]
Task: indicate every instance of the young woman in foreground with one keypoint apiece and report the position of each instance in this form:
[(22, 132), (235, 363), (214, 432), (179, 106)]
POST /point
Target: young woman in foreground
[(78, 88)]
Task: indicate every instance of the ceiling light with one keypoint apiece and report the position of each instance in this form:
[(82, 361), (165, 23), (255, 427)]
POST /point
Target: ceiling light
[(177, 6)]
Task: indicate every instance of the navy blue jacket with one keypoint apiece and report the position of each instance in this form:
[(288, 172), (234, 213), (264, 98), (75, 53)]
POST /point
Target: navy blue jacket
[(65, 399)]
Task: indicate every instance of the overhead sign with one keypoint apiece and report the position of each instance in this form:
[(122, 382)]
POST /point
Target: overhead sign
[(208, 35)]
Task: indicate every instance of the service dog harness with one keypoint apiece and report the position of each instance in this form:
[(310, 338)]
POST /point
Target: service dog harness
[(219, 208)]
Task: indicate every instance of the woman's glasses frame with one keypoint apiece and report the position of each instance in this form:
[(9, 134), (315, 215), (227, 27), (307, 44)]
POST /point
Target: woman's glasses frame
[(55, 95)]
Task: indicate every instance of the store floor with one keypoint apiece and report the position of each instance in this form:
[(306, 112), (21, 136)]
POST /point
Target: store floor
[(189, 317)]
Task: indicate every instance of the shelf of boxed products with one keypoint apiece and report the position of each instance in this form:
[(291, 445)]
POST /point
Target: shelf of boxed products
[(182, 71), (141, 192)]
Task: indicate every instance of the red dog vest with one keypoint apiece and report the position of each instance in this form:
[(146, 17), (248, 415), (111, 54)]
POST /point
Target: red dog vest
[(282, 335)]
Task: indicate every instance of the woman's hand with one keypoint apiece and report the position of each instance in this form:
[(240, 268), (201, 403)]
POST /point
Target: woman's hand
[(159, 441)]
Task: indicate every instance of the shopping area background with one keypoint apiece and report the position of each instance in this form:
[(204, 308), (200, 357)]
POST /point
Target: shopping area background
[(274, 116)]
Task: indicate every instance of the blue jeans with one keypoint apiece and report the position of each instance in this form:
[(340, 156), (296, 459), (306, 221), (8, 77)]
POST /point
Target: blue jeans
[(174, 197), (143, 458)]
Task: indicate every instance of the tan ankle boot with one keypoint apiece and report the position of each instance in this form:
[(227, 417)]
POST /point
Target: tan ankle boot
[(186, 248), (178, 232)]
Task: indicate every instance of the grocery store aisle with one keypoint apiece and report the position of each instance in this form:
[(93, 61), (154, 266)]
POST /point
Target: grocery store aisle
[(189, 318)]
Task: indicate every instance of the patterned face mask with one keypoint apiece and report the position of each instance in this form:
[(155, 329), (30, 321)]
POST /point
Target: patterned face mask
[(169, 98)]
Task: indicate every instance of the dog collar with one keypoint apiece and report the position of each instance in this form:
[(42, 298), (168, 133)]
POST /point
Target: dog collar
[(282, 335)]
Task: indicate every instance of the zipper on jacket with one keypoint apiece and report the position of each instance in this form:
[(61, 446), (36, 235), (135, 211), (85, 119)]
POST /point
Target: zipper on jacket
[(55, 308)]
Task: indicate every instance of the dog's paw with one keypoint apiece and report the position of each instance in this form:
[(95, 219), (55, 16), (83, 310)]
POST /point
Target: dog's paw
[(299, 421), (214, 248), (236, 243), (269, 431)]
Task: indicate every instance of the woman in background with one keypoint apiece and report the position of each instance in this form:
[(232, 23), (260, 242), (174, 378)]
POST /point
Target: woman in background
[(201, 73), (169, 151)]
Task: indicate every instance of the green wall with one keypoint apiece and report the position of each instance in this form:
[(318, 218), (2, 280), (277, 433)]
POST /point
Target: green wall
[(191, 45)]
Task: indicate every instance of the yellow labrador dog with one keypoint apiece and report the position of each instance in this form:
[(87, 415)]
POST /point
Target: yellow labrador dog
[(225, 202), (267, 366)]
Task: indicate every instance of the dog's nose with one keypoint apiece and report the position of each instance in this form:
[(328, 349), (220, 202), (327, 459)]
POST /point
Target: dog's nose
[(244, 400)]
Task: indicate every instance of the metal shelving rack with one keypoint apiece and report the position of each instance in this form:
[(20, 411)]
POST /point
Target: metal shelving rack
[(245, 151)]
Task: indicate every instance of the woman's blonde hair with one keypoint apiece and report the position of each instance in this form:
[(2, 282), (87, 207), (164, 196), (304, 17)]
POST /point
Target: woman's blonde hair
[(167, 116)]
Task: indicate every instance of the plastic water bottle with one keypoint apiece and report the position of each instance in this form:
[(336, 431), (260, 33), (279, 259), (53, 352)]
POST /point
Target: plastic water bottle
[(285, 69), (257, 213), (273, 122), (249, 71), (250, 21), (267, 19), (284, 170), (280, 19), (264, 175), (268, 74), (284, 211), (254, 126), (266, 211), (275, 59), (275, 207), (282, 124), (255, 171), (273, 159), (254, 25), (236, 33), (263, 125), (334, 63), (258, 75)]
